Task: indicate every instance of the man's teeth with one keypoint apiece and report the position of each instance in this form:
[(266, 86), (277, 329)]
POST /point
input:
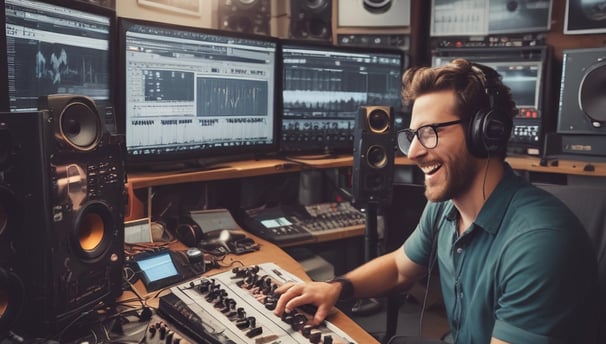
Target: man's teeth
[(429, 169)]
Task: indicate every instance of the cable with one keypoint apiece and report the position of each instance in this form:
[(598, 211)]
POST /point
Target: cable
[(433, 257)]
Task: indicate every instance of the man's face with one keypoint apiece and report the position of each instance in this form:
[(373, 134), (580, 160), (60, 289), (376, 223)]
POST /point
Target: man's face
[(449, 168)]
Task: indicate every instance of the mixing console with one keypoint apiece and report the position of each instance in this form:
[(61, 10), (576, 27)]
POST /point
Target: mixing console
[(237, 307), (285, 224)]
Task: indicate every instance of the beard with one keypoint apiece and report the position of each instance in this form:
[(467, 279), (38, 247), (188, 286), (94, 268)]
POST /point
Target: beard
[(459, 173)]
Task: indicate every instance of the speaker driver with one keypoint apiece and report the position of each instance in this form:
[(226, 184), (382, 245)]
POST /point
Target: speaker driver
[(80, 126), (315, 5), (592, 99), (377, 6), (93, 230), (311, 19), (376, 157), (378, 121)]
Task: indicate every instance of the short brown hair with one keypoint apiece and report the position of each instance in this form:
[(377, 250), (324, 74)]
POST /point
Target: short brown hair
[(471, 82)]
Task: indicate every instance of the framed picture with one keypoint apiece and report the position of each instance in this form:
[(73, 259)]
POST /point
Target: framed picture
[(583, 17), (189, 7)]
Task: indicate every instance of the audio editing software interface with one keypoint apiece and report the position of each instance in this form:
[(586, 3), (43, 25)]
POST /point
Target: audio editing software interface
[(188, 90), (56, 49), (323, 88)]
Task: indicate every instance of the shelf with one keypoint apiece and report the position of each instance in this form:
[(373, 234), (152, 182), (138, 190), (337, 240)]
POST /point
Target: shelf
[(252, 168)]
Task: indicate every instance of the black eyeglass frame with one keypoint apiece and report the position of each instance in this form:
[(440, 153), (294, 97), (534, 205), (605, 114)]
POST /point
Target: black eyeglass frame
[(411, 133)]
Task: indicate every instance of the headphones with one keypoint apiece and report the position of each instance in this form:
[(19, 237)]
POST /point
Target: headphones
[(489, 128), (189, 233)]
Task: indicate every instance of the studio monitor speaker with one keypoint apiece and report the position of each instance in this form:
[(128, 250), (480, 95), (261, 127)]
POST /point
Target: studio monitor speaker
[(583, 100), (62, 210), (374, 148), (249, 16), (373, 13), (311, 19)]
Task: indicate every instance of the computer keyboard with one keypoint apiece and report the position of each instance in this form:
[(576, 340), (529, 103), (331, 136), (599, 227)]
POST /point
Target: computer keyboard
[(285, 224)]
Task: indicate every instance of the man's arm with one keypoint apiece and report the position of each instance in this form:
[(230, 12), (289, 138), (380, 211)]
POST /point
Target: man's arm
[(389, 272)]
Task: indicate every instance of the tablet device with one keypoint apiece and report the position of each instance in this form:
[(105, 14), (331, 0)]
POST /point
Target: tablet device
[(158, 270)]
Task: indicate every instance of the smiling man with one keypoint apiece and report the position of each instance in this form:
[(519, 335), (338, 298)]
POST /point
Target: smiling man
[(516, 266)]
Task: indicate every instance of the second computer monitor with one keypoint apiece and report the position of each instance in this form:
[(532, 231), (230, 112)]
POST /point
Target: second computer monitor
[(323, 87), (194, 97)]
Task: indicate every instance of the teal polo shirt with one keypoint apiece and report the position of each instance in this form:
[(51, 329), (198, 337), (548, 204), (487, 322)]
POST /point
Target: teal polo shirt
[(523, 272)]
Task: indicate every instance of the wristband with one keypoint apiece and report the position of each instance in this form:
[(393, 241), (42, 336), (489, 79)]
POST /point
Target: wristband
[(347, 288)]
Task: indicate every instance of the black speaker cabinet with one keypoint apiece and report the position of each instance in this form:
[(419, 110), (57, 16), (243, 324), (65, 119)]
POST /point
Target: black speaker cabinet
[(374, 148), (582, 96), (62, 210), (311, 20), (249, 16)]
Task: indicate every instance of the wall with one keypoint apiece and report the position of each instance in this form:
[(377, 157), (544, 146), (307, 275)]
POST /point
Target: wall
[(135, 9)]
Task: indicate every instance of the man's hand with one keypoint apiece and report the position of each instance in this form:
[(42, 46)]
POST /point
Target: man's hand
[(320, 294)]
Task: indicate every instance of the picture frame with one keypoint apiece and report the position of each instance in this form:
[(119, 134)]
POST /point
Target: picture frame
[(188, 7), (584, 17)]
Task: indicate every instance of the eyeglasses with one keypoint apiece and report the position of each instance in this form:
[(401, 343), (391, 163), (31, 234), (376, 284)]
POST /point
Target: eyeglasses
[(427, 135)]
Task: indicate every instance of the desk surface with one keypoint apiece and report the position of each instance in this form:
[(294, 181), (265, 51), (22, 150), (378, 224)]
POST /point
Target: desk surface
[(271, 253), (251, 168)]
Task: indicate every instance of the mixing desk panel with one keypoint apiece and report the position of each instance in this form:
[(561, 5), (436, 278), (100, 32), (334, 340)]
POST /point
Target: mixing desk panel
[(236, 306)]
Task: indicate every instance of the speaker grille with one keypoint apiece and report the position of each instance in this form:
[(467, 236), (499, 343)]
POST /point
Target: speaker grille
[(80, 126)]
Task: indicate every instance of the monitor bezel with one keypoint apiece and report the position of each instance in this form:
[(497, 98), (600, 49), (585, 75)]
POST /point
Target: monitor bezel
[(200, 158), (330, 150), (72, 5)]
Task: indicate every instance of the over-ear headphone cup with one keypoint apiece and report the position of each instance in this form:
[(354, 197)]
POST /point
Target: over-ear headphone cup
[(475, 142), (189, 234), (486, 133)]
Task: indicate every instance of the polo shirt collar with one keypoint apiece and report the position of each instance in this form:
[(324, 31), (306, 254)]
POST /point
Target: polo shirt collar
[(492, 213)]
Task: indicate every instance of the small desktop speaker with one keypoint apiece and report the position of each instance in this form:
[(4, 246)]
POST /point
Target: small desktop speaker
[(62, 194), (373, 13), (249, 16), (311, 20), (582, 101), (374, 150)]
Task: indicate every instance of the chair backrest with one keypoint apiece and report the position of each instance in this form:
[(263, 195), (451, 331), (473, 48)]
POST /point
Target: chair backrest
[(589, 204)]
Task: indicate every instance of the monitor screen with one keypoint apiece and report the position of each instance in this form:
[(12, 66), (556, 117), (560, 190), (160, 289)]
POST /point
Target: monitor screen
[(55, 48), (482, 17), (193, 97), (324, 86)]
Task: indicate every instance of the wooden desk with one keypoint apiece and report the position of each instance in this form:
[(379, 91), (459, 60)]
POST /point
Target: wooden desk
[(251, 168), (272, 253)]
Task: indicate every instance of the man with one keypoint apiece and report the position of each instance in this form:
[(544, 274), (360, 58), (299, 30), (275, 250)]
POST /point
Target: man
[(515, 264)]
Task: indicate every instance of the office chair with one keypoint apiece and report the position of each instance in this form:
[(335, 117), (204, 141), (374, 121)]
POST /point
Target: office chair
[(401, 218), (588, 203)]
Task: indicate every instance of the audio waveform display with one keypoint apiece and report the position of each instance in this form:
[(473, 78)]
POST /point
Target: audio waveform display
[(196, 93), (323, 88)]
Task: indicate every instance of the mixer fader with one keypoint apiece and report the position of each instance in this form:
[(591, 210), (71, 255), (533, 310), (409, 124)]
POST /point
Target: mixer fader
[(237, 307)]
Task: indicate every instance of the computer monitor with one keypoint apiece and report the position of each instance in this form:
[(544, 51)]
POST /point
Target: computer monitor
[(481, 17), (323, 88), (195, 97), (57, 47), (525, 71)]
